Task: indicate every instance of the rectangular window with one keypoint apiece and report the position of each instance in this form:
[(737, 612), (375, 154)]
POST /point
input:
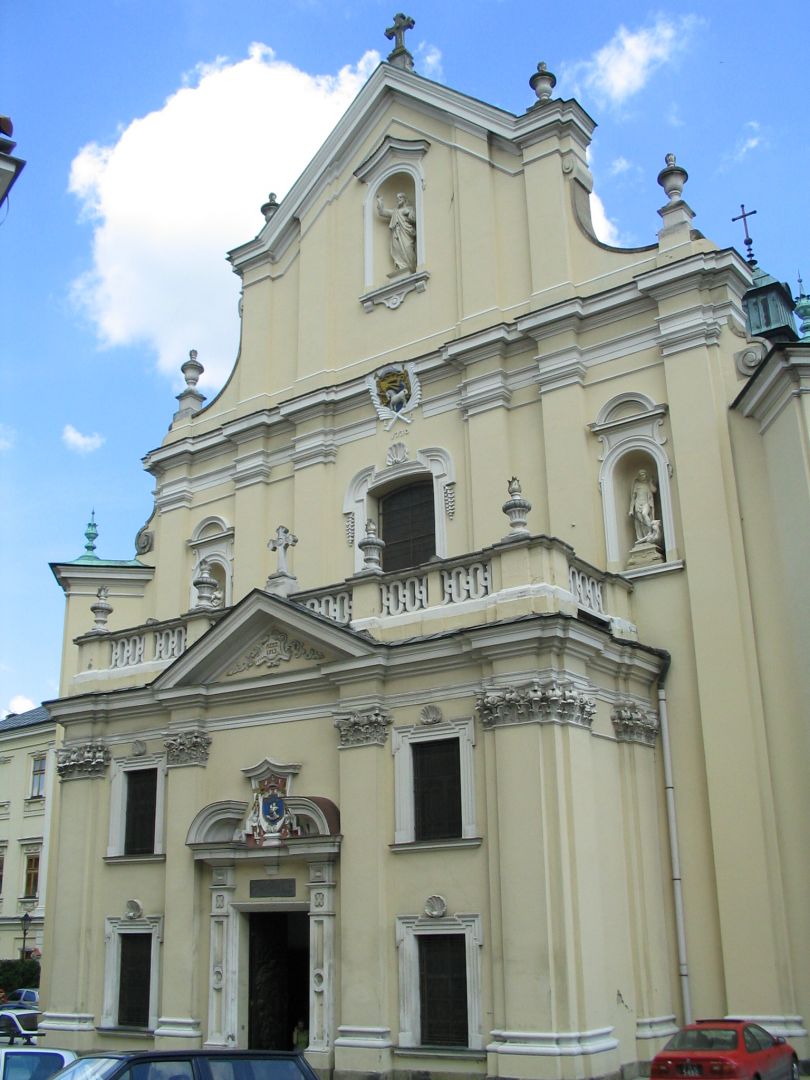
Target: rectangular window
[(31, 874), (141, 801), (38, 776), (443, 990), (135, 980), (436, 789)]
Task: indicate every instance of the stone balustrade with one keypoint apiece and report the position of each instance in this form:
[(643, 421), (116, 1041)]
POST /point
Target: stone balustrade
[(536, 574)]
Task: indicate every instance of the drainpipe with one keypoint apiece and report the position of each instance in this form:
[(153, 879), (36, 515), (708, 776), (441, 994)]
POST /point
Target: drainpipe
[(672, 823)]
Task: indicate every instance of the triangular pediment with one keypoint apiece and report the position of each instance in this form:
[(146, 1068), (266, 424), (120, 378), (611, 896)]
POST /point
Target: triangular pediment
[(264, 636)]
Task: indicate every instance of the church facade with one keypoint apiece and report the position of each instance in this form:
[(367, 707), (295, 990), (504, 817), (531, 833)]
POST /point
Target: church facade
[(451, 717)]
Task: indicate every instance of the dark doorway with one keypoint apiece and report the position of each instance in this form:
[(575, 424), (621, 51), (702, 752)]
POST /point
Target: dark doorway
[(279, 978)]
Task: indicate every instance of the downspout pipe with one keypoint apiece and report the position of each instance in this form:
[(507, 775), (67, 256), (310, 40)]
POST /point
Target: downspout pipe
[(672, 824)]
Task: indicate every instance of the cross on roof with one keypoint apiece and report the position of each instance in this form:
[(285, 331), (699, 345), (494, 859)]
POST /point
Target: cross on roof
[(743, 217), (397, 31)]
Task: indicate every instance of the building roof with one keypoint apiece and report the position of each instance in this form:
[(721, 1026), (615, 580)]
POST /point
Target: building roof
[(15, 721)]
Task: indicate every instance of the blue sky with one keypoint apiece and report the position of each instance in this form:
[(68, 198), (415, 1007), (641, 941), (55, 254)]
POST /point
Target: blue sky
[(153, 130)]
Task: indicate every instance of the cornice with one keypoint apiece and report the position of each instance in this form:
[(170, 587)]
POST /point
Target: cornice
[(783, 376)]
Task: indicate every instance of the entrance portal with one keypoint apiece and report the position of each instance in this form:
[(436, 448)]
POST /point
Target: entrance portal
[(279, 978)]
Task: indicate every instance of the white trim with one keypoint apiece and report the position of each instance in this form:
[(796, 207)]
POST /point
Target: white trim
[(656, 1027), (118, 802), (402, 740), (114, 927), (553, 1043), (408, 929)]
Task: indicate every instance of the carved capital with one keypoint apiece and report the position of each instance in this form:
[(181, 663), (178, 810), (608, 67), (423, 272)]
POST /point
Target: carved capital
[(83, 760), (632, 723), (187, 747), (367, 728), (534, 703)]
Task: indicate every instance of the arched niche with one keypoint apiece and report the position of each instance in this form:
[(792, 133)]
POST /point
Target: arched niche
[(395, 167), (630, 428), (212, 540)]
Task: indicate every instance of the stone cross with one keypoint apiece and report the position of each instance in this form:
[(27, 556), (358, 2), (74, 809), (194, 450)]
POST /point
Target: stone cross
[(743, 216), (396, 33), (281, 541)]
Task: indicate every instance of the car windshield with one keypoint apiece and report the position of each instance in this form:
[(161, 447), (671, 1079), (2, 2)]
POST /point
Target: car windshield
[(704, 1038), (90, 1068)]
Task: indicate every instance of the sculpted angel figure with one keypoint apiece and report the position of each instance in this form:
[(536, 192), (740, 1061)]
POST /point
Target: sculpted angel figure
[(642, 508), (402, 223)]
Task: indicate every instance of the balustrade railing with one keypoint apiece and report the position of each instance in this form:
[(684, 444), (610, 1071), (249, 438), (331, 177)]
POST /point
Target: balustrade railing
[(335, 606), (164, 644), (587, 589)]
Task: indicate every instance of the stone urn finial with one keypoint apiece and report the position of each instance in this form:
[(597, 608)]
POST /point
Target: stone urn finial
[(102, 609), (672, 178), (269, 208), (516, 509), (542, 82), (372, 547), (206, 585)]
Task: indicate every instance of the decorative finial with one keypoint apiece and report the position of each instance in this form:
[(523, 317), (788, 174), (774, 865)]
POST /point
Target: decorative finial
[(672, 178), (372, 547), (516, 509), (90, 533), (206, 585), (192, 369), (101, 611), (542, 82), (743, 216), (270, 207), (399, 56)]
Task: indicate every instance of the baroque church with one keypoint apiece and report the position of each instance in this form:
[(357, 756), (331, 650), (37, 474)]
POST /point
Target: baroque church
[(450, 716)]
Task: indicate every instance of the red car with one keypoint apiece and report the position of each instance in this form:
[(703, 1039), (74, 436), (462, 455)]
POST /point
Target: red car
[(726, 1048)]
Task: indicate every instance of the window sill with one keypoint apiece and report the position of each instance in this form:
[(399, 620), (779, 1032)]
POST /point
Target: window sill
[(436, 845), (134, 859), (440, 1052), (130, 1032)]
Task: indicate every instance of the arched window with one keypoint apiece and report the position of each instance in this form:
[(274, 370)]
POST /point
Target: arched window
[(212, 541), (408, 526), (428, 481)]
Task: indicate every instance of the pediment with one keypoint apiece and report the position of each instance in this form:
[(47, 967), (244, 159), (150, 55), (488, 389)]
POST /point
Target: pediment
[(264, 636)]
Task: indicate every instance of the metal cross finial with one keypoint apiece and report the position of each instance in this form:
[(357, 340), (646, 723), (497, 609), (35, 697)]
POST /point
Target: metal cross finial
[(396, 33), (281, 541), (743, 217)]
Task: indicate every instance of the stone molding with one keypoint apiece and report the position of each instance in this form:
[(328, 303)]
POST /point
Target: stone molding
[(632, 723), (552, 702), (187, 747), (363, 728), (82, 761)]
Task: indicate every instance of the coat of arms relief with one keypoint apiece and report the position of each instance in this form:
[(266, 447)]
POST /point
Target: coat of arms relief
[(395, 392)]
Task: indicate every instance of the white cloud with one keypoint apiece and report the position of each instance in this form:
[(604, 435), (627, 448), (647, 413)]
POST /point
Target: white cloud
[(625, 65), (428, 60), (606, 230), (19, 704), (184, 184), (750, 140), (619, 165), (8, 437), (82, 444)]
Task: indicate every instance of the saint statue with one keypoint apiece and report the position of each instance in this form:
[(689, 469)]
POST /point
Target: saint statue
[(402, 223), (642, 509)]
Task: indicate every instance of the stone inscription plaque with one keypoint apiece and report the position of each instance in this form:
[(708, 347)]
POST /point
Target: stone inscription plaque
[(277, 887)]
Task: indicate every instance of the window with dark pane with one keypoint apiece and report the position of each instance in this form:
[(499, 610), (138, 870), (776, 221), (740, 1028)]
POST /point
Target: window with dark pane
[(443, 990), (139, 835), (136, 971), (38, 776), (436, 789), (408, 526)]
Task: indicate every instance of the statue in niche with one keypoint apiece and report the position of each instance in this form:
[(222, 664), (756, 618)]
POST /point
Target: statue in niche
[(647, 527), (402, 223)]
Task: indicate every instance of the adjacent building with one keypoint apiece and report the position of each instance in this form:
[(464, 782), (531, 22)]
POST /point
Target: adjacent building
[(27, 774), (451, 717)]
